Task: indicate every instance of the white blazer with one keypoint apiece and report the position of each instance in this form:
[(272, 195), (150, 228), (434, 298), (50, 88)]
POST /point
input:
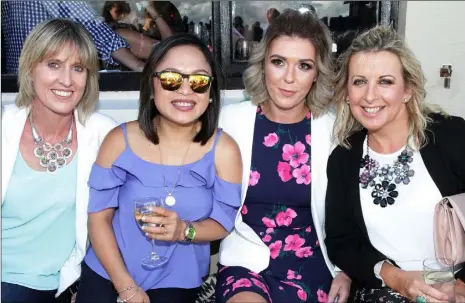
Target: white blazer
[(89, 139), (243, 247)]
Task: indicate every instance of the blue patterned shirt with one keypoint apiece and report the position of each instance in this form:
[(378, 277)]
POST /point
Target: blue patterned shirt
[(20, 17)]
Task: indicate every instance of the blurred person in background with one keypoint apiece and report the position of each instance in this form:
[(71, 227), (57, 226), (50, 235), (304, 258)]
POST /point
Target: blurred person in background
[(112, 48)]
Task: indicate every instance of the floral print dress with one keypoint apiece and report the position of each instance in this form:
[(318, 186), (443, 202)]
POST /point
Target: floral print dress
[(277, 207)]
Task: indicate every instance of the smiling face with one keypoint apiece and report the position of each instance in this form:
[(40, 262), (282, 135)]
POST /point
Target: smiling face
[(290, 71), (376, 90), (182, 106), (59, 81)]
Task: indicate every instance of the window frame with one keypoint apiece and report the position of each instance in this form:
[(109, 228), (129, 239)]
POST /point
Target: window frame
[(222, 42)]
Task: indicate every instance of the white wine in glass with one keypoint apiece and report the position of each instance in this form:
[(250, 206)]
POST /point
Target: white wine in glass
[(144, 207)]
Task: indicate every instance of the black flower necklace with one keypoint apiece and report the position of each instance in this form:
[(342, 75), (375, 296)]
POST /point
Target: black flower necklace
[(384, 179)]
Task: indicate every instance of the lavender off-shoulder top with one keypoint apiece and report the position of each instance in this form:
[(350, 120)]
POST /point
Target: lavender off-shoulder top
[(200, 194)]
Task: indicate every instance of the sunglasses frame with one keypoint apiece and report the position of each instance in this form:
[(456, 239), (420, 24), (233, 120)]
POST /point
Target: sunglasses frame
[(184, 76)]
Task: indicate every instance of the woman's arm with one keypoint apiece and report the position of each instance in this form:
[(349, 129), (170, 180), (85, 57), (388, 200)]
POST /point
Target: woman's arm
[(163, 27), (348, 248), (100, 225)]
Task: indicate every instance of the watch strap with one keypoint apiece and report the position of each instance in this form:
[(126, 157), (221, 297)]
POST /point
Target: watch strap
[(189, 233)]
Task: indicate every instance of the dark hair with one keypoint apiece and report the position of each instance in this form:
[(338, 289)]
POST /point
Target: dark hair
[(122, 7), (147, 108)]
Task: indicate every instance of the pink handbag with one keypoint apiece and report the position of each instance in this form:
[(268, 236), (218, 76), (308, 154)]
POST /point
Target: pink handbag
[(449, 231)]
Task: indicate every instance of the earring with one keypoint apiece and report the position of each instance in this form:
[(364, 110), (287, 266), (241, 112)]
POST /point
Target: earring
[(406, 100), (347, 101), (210, 100)]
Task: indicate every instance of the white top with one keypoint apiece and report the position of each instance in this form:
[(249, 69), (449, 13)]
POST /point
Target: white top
[(243, 247), (89, 138), (403, 232)]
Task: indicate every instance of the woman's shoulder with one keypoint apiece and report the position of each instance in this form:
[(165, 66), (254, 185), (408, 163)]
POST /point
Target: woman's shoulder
[(447, 123)]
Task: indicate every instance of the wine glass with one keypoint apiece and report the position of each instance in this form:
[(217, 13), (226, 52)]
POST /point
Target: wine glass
[(144, 207), (439, 273)]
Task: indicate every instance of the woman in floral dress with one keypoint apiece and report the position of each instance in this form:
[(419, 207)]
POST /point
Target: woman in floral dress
[(276, 251)]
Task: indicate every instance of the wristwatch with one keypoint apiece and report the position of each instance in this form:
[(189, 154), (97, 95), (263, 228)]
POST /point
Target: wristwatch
[(189, 233)]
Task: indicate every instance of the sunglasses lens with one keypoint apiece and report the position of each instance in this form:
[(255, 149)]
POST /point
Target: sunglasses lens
[(170, 81), (199, 83)]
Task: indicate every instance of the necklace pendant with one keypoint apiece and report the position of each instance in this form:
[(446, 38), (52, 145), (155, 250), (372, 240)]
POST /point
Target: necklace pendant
[(170, 200)]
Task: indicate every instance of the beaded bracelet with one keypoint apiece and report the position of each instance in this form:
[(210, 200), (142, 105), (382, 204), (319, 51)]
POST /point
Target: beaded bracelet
[(118, 300), (127, 288)]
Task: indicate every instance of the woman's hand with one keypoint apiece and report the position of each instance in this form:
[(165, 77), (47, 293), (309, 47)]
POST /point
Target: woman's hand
[(411, 284), (139, 297), (168, 226), (340, 288)]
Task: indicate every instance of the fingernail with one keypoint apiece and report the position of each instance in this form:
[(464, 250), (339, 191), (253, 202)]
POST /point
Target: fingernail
[(143, 218), (144, 227), (147, 234)]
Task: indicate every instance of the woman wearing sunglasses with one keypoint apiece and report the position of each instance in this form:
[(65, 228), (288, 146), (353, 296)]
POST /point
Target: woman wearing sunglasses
[(276, 251), (173, 151)]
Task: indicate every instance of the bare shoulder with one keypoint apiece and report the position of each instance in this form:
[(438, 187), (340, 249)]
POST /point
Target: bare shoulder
[(112, 147), (228, 161)]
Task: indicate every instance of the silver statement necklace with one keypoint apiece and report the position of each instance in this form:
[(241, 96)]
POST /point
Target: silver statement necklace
[(170, 200), (52, 156)]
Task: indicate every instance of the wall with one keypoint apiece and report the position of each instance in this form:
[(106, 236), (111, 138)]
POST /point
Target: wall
[(434, 31)]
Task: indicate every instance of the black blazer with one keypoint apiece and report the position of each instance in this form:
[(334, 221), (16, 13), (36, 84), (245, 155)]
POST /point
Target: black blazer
[(347, 240)]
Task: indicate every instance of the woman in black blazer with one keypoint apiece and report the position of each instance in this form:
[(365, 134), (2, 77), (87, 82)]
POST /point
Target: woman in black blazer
[(397, 157)]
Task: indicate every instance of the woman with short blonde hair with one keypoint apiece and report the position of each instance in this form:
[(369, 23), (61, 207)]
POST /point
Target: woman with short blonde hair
[(398, 157), (50, 139)]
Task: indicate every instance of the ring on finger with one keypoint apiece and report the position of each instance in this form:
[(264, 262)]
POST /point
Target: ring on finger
[(421, 299)]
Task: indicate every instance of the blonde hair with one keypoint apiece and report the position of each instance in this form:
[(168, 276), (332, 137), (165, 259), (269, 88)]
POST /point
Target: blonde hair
[(293, 23), (377, 39), (47, 39)]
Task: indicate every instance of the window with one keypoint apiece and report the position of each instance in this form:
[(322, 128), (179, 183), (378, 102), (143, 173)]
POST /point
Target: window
[(114, 26)]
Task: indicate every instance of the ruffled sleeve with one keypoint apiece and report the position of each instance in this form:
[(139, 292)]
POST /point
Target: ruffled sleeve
[(104, 184), (226, 202)]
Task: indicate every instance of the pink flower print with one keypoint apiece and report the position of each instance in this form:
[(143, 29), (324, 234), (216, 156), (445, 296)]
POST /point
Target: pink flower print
[(270, 140), (254, 177), (308, 115), (317, 243), (293, 242), (244, 210), (302, 294), (308, 139), (269, 230), (281, 288), (308, 229), (242, 283), (302, 175), (285, 217), (275, 248), (304, 252), (322, 296), (291, 284), (225, 292), (290, 274), (229, 280), (284, 171), (266, 238), (268, 222), (295, 154), (259, 284), (254, 274)]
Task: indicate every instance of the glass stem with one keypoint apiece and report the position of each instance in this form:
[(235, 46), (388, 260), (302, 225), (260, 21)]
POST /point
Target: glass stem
[(153, 254)]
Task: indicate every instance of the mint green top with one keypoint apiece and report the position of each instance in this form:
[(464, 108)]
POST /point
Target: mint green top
[(38, 225)]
